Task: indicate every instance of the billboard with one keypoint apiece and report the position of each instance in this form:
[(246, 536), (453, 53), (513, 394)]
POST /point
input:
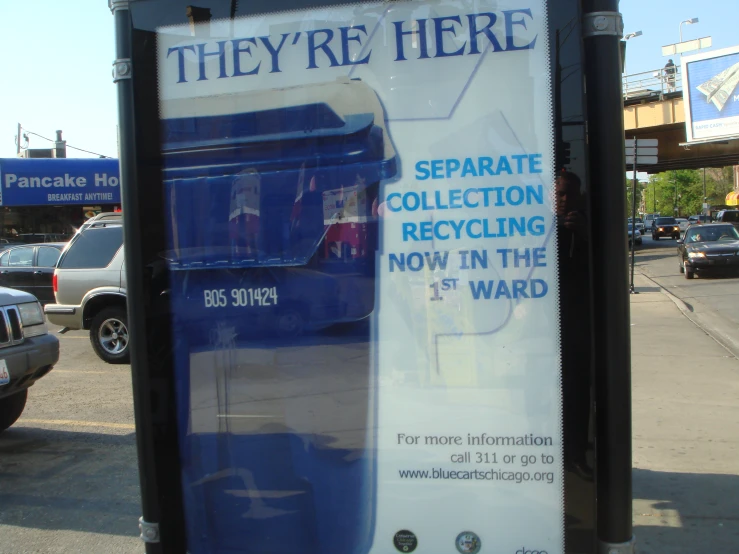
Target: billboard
[(711, 93), (361, 240)]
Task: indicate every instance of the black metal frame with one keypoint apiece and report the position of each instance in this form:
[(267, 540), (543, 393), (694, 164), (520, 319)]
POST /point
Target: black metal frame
[(152, 340)]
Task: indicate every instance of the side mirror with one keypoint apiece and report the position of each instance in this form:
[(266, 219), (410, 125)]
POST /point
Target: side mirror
[(680, 241)]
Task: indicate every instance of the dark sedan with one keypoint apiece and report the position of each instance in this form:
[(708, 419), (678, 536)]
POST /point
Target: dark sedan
[(710, 247), (665, 227), (30, 268)]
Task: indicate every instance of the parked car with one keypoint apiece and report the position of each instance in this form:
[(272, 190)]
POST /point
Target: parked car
[(111, 217), (27, 351), (7, 243), (708, 247), (30, 238), (30, 268), (683, 223), (639, 225), (665, 227), (699, 219), (728, 216), (637, 239), (90, 290)]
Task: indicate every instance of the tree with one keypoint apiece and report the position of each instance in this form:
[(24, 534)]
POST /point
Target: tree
[(719, 183), (680, 192)]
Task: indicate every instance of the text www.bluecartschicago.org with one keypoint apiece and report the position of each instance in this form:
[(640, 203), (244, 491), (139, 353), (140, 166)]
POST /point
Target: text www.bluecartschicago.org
[(478, 475)]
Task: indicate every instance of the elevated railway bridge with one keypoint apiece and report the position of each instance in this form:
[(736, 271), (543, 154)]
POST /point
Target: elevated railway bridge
[(654, 109)]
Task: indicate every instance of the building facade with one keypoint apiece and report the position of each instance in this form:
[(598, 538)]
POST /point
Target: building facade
[(54, 197)]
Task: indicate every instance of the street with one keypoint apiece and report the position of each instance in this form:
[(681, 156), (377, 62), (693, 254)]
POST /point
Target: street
[(658, 260), (68, 474), (710, 301)]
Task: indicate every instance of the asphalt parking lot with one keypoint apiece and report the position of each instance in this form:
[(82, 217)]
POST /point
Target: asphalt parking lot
[(68, 470)]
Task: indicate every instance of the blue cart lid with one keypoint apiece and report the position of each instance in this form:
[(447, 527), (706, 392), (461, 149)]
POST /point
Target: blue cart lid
[(328, 124), (265, 185)]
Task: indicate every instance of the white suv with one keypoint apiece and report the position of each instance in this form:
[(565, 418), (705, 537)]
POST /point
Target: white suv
[(90, 289)]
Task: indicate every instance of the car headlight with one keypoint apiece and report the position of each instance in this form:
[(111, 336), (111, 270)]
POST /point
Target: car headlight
[(692, 255), (661, 229), (31, 313), (32, 318)]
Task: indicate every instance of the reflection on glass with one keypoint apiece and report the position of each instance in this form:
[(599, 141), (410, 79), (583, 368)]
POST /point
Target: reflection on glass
[(272, 252)]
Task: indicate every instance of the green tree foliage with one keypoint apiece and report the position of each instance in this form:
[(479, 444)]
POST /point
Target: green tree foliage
[(683, 189)]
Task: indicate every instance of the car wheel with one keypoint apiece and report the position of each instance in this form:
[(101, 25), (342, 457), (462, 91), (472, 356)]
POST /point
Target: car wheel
[(688, 274), (109, 335), (655, 237), (11, 408)]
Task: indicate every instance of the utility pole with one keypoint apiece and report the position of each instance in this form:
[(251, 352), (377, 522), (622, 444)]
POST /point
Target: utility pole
[(705, 200), (18, 142), (632, 290), (676, 209)]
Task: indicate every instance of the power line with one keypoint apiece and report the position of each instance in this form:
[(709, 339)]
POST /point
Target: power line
[(68, 145)]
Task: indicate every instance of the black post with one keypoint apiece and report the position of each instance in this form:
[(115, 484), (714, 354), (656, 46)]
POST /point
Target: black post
[(633, 218), (142, 390), (602, 32), (674, 207)]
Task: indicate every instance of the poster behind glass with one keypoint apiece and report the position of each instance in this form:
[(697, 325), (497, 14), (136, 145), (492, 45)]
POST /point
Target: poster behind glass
[(362, 260)]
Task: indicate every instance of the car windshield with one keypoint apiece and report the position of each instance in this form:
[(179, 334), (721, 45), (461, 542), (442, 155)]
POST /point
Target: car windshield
[(712, 234), (666, 221), (730, 216)]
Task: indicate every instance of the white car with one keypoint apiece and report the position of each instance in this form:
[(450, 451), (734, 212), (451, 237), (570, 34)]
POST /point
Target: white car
[(639, 224), (682, 223)]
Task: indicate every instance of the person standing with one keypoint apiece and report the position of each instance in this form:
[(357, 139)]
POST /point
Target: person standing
[(670, 73)]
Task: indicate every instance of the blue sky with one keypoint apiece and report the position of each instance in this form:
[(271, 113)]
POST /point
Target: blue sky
[(56, 74), (659, 20), (56, 63)]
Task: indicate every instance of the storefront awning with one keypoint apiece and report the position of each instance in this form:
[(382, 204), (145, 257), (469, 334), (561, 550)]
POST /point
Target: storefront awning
[(732, 199)]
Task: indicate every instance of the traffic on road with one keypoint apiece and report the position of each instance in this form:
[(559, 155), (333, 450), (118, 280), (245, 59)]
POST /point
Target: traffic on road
[(712, 287)]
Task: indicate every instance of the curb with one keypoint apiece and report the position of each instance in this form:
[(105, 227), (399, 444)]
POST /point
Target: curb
[(704, 322)]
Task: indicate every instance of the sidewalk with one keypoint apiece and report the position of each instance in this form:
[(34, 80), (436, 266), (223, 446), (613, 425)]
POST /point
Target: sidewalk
[(685, 431)]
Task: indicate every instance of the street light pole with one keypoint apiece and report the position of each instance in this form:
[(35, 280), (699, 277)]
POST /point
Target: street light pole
[(626, 73), (688, 22)]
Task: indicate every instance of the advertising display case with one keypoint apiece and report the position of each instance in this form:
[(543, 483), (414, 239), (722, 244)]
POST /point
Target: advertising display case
[(364, 294), (710, 83)]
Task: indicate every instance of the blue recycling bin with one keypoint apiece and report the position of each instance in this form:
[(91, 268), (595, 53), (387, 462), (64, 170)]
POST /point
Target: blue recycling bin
[(272, 234)]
